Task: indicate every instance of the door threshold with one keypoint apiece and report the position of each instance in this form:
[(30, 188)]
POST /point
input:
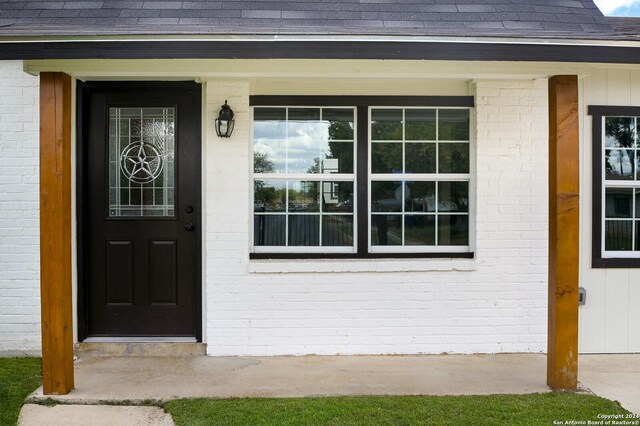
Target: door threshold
[(118, 347), (140, 339)]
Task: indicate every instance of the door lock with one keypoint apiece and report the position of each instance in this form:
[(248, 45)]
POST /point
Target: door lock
[(189, 227)]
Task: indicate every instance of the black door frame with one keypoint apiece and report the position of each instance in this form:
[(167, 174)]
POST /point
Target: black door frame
[(83, 92)]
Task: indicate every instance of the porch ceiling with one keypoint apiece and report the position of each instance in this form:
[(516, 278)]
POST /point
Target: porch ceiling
[(300, 69)]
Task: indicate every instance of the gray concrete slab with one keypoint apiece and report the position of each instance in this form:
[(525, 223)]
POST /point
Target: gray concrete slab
[(615, 377), (163, 378), (95, 415), (129, 349)]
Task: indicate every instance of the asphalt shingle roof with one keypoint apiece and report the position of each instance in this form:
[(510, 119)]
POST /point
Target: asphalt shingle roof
[(474, 18)]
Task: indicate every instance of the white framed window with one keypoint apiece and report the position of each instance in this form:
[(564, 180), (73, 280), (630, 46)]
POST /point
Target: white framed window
[(303, 179), (621, 187), (616, 186), (363, 180), (419, 179)]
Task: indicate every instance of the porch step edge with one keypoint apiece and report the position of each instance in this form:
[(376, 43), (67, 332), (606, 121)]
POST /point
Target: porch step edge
[(130, 349)]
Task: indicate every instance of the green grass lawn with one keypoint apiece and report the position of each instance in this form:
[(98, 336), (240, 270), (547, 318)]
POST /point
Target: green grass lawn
[(507, 410), (18, 378)]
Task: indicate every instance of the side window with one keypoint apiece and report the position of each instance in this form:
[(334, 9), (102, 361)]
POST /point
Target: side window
[(616, 186)]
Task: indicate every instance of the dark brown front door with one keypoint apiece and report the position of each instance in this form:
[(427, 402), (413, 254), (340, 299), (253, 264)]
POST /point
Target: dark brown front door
[(141, 205)]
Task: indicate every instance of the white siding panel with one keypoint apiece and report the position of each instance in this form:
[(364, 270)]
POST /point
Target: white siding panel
[(634, 92), (591, 324), (634, 312), (618, 87), (609, 322), (592, 315), (617, 311)]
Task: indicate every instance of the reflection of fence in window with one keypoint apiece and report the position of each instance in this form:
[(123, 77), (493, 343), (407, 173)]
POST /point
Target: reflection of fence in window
[(303, 230), (619, 235), (269, 230), (337, 230)]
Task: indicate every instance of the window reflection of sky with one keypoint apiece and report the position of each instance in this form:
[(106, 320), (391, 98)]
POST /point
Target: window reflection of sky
[(293, 146)]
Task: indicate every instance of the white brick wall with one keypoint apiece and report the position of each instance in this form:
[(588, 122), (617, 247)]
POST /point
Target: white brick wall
[(19, 220), (496, 303)]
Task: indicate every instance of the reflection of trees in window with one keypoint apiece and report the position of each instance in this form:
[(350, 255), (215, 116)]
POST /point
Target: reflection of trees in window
[(342, 151), (306, 198), (387, 158), (619, 133), (341, 130), (454, 131), (386, 131), (621, 130), (262, 164), (420, 130), (453, 125)]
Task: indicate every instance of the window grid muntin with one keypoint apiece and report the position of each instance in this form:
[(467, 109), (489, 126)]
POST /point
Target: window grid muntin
[(321, 178), (408, 177), (633, 184)]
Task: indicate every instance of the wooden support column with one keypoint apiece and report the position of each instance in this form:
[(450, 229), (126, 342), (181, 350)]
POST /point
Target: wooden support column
[(55, 233), (564, 185)]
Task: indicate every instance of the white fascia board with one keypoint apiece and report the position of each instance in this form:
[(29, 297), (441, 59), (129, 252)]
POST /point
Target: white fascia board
[(320, 38)]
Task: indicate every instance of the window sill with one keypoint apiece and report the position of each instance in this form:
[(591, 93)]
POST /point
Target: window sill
[(615, 262), (293, 266)]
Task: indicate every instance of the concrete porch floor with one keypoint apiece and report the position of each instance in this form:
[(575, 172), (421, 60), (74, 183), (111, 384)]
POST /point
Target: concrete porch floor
[(615, 377), (116, 379), (135, 379)]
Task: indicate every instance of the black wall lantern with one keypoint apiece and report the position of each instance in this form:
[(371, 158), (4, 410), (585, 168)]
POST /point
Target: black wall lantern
[(224, 122)]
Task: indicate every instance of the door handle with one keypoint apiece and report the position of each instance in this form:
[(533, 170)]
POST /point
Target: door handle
[(189, 227)]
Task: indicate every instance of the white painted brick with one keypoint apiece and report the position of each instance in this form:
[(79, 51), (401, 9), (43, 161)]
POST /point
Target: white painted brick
[(499, 305), (19, 237)]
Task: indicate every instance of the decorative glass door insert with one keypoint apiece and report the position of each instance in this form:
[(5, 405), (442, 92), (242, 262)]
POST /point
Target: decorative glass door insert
[(141, 162)]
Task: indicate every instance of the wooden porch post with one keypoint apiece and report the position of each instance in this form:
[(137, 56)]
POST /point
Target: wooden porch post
[(564, 184), (55, 232)]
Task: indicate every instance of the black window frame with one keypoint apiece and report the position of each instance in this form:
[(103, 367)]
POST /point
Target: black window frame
[(598, 112), (362, 105)]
